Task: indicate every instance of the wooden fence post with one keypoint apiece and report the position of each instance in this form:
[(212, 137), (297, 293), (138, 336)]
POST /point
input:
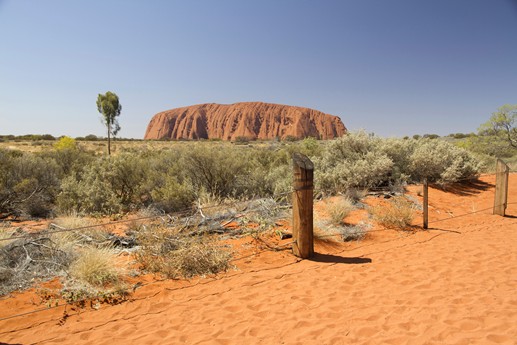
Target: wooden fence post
[(426, 203), (501, 188), (303, 236)]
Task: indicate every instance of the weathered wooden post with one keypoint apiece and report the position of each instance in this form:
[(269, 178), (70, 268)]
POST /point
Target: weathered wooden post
[(501, 188), (303, 236), (426, 203)]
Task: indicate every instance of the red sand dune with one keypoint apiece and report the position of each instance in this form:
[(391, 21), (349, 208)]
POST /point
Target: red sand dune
[(253, 120), (453, 284)]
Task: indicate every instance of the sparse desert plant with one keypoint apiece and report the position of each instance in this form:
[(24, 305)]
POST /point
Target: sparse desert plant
[(343, 233), (174, 254), (339, 209), (199, 257), (95, 267), (354, 232), (6, 232), (79, 294), (397, 213), (356, 194), (87, 234), (26, 260)]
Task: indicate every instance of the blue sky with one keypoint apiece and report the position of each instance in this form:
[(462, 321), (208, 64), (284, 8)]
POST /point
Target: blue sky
[(392, 67)]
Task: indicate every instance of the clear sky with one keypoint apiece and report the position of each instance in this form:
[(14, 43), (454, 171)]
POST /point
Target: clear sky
[(392, 67)]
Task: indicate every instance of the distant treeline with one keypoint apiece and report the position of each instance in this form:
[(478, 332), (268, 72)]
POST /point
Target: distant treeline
[(436, 136), (93, 137), (50, 137)]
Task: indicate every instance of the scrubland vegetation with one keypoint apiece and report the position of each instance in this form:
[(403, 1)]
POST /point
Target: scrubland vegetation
[(72, 179), (68, 179)]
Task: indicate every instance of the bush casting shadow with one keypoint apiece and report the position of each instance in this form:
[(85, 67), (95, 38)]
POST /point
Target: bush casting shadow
[(467, 188)]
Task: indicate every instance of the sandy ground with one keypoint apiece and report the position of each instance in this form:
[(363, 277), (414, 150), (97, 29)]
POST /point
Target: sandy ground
[(453, 284)]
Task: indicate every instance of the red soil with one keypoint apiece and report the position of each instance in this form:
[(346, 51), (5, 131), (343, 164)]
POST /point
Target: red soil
[(453, 284)]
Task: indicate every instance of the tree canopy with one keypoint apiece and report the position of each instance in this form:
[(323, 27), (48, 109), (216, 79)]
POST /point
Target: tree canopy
[(109, 106), (503, 123)]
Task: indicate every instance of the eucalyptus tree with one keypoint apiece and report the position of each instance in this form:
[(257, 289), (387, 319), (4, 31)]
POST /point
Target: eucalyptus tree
[(503, 124), (109, 106)]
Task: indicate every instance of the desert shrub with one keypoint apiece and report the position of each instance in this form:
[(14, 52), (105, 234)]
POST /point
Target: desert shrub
[(492, 145), (361, 160), (94, 266), (356, 194), (399, 152), (127, 175), (242, 140), (26, 260), (79, 293), (353, 232), (367, 171), (70, 160), (172, 195), (270, 172), (65, 143), (28, 184), (218, 172), (291, 138), (90, 192), (311, 147), (87, 234), (352, 161), (167, 186), (166, 251), (339, 232), (340, 209), (397, 213), (442, 162)]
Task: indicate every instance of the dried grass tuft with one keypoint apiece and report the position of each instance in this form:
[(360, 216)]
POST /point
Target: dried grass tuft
[(340, 209), (396, 214), (174, 254), (95, 267)]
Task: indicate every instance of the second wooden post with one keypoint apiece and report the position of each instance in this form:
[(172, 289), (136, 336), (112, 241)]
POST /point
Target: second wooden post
[(501, 188), (426, 203), (303, 236)]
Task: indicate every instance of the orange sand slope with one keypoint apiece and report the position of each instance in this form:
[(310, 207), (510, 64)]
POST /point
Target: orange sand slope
[(455, 284)]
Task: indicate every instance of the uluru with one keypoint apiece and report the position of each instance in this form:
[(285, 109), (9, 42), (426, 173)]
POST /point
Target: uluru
[(252, 120)]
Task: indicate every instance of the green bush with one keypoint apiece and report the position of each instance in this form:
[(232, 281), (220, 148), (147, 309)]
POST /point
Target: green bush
[(90, 192), (28, 184), (218, 171)]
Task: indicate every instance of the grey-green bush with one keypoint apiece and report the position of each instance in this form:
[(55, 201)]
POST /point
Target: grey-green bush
[(442, 162), (28, 184)]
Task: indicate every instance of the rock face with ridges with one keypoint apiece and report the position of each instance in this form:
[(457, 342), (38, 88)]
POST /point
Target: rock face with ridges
[(254, 120)]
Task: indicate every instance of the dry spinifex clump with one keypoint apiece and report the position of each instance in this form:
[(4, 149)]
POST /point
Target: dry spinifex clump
[(396, 214), (175, 254), (340, 209)]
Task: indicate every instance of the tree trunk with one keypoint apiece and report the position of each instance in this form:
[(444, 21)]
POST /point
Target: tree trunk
[(109, 142)]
